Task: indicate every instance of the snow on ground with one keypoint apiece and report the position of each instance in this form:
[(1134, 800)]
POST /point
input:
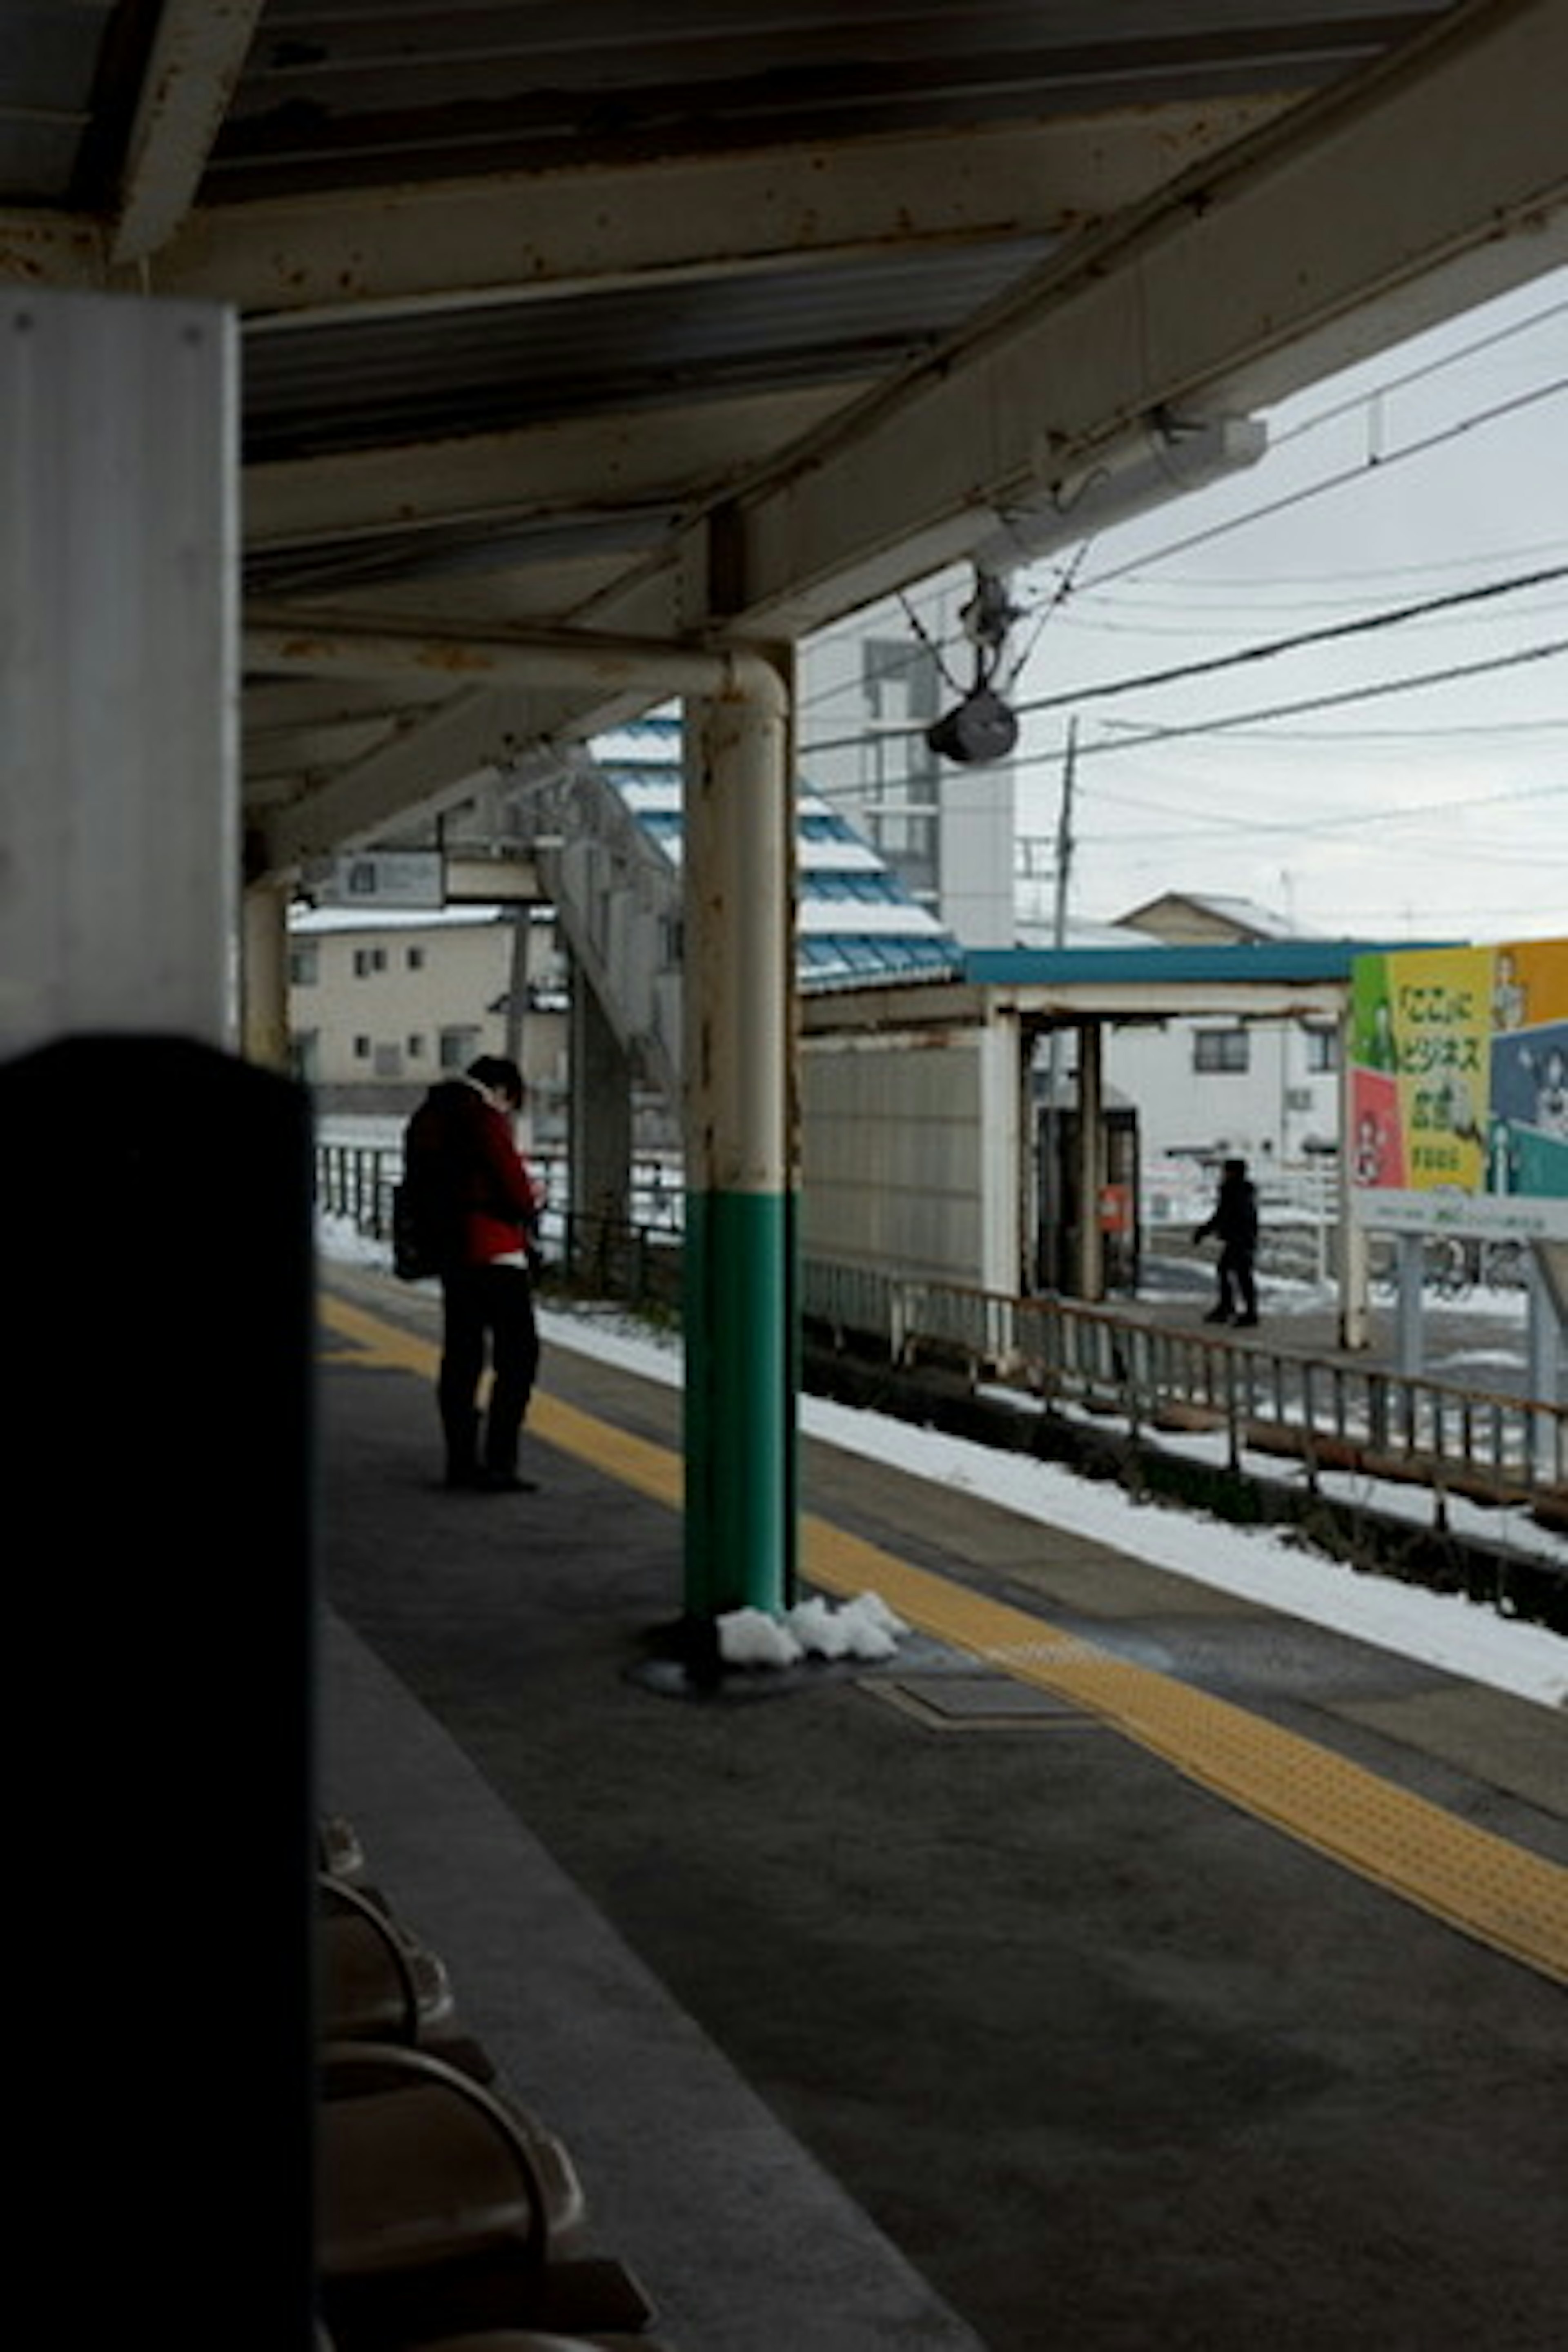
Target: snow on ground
[(1442, 1629)]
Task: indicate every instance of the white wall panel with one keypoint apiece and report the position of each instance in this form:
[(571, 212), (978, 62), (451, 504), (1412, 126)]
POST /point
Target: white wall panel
[(119, 791), (902, 1143)]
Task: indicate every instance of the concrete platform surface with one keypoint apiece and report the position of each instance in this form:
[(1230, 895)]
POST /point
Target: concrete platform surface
[(937, 2002)]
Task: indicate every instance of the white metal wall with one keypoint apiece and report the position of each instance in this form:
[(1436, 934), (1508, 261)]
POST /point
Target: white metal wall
[(118, 787), (911, 1153)]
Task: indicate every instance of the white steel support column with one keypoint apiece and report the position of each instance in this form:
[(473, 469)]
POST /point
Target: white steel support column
[(741, 1124), (264, 977), (118, 769), (1409, 1321), (1091, 1160), (1006, 1149), (1544, 1346), (164, 1185), (1353, 1256), (599, 1110)]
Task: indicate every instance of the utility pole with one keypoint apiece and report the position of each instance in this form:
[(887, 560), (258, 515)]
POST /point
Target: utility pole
[(1064, 836), (1053, 1184)]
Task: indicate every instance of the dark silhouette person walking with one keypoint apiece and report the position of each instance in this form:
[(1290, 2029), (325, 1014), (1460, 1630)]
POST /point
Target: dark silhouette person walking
[(1234, 1220), (460, 1158)]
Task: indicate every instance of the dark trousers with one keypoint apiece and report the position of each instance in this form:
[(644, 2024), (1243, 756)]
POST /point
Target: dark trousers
[(1235, 1281), (488, 1309)]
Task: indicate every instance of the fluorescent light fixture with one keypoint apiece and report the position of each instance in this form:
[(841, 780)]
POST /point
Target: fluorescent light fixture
[(1170, 455)]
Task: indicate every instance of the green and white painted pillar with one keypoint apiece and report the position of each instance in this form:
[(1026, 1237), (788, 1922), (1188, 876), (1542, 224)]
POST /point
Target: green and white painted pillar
[(738, 1058)]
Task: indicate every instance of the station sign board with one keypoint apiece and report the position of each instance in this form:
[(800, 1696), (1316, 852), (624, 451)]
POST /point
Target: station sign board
[(401, 878), (1459, 1086)]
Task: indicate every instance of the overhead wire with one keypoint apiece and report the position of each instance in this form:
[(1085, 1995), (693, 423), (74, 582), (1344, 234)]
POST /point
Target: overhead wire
[(1360, 402), (1412, 815), (1521, 655), (1274, 649), (1381, 465), (1178, 592), (1437, 365)]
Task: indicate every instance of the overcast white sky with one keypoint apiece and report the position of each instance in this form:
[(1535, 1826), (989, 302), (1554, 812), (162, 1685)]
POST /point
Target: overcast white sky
[(1441, 811)]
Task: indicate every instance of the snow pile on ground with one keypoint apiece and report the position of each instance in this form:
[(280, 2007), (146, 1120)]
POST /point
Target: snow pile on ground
[(862, 1628)]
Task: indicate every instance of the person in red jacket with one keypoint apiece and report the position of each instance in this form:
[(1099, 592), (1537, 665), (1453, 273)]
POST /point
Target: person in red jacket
[(458, 1148)]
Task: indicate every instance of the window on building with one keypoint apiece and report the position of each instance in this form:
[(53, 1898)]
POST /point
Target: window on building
[(304, 964), (416, 1047), (362, 1049), (415, 959), (368, 960), (458, 1047), (896, 807), (1323, 1051), (1226, 1050)]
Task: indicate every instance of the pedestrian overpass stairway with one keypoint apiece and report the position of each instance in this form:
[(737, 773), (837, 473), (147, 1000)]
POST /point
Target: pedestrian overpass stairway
[(618, 900), (604, 830)]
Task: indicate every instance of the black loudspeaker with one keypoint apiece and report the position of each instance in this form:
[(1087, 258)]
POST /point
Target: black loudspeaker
[(979, 729)]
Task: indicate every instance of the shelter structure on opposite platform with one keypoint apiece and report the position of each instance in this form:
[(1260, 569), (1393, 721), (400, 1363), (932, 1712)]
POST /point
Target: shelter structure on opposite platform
[(891, 1076)]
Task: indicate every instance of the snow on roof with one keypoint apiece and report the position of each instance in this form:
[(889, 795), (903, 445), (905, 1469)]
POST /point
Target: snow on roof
[(1243, 915), (857, 919), (311, 922)]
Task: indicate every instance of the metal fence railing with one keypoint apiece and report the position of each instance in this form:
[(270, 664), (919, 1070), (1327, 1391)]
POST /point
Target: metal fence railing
[(638, 1262), (1333, 1415), (1060, 1351), (354, 1181)]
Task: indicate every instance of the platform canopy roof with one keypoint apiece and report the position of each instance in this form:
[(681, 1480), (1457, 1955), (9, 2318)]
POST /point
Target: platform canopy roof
[(578, 341), (1239, 979)]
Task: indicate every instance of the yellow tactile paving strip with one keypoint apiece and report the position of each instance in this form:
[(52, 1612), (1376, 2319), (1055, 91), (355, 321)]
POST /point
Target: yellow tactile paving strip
[(1488, 1888), (1478, 1882)]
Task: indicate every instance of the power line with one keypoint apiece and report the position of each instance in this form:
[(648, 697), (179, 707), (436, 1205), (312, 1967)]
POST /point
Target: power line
[(1362, 400), (1204, 625), (1250, 588), (1331, 702), (1423, 374), (1067, 584), (1357, 473), (1364, 624), (1363, 736), (1251, 825)]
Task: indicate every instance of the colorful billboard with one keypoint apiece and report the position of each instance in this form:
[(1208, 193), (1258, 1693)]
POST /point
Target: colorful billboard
[(1459, 1071)]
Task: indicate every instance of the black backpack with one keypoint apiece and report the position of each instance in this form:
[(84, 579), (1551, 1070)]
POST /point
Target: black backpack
[(421, 1232), (426, 1206)]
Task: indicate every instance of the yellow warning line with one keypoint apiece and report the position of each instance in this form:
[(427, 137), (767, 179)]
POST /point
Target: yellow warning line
[(1479, 1882), (652, 1470)]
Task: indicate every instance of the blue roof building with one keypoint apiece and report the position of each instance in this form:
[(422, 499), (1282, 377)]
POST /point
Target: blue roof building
[(857, 921)]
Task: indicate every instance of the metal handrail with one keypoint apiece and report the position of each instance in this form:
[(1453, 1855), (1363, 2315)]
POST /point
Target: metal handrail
[(1337, 1415)]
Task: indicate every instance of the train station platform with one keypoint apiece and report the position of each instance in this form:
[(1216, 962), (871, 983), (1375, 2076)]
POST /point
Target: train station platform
[(1118, 1964)]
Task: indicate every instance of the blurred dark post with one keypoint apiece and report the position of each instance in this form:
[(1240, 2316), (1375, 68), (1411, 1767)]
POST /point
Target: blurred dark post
[(156, 1194)]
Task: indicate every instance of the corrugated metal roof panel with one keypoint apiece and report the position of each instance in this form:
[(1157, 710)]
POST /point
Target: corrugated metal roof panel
[(873, 200), (333, 92), (502, 366)]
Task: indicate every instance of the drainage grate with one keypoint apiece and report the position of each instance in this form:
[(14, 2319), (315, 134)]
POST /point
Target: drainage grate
[(971, 1702)]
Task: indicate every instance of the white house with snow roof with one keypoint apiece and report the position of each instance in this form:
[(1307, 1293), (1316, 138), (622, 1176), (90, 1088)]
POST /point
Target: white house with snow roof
[(1221, 1087)]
